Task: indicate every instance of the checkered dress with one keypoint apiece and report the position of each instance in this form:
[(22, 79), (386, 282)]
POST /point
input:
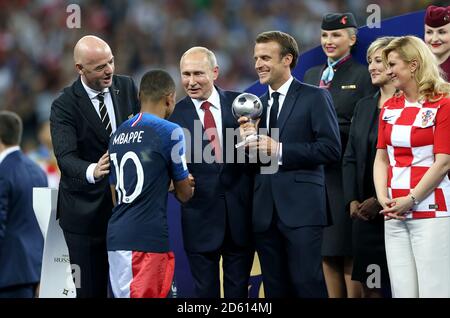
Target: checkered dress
[(412, 133)]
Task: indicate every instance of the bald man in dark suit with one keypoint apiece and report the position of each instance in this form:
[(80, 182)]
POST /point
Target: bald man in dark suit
[(82, 119)]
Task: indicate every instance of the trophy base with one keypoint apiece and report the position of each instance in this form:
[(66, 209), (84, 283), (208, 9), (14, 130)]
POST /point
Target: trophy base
[(247, 140)]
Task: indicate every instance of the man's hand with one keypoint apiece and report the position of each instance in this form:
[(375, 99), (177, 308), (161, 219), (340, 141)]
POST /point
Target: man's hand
[(192, 183), (191, 180), (264, 144), (102, 167), (246, 128)]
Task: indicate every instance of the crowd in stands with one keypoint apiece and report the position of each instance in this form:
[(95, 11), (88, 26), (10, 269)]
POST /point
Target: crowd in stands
[(36, 44)]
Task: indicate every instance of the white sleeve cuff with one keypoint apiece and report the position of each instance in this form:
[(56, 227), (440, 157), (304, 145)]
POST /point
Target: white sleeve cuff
[(280, 153), (90, 173)]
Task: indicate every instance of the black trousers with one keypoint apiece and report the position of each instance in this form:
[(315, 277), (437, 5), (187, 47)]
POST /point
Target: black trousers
[(89, 260), (18, 291), (237, 263), (291, 261)]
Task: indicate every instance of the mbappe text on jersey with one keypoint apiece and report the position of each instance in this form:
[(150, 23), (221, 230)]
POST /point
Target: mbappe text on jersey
[(126, 138)]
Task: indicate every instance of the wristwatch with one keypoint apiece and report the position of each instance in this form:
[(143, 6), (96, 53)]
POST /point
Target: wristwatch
[(413, 198)]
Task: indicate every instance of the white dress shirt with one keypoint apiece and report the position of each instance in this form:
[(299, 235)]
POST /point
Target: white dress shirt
[(92, 93), (283, 90), (215, 109)]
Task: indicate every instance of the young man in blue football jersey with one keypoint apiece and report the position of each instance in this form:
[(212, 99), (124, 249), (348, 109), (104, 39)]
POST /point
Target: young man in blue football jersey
[(147, 153)]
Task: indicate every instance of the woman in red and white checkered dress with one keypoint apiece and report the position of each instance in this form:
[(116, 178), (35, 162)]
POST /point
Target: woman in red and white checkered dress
[(410, 172)]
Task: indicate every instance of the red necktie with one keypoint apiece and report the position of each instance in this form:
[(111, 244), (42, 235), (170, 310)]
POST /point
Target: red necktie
[(211, 130)]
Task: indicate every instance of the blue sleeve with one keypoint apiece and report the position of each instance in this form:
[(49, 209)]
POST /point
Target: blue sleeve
[(178, 165), (112, 170), (4, 195)]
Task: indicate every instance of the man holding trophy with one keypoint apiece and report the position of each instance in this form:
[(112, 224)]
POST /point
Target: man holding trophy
[(216, 221), (299, 132)]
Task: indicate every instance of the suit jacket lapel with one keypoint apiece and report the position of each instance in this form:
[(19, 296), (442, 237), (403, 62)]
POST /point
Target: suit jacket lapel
[(288, 104), (114, 91), (189, 117), (370, 114), (265, 101), (88, 110), (228, 120)]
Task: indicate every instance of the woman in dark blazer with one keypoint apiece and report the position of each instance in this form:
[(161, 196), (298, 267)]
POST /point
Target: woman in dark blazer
[(348, 82), (369, 256)]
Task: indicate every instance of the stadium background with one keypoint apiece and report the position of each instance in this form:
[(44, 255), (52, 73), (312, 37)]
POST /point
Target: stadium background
[(36, 48)]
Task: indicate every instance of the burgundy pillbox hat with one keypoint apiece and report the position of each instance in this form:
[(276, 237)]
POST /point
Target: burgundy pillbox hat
[(436, 17)]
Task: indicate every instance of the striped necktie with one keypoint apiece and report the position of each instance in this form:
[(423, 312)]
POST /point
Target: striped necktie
[(104, 113)]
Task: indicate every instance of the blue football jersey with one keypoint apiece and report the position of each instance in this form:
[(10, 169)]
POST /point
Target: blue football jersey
[(146, 152)]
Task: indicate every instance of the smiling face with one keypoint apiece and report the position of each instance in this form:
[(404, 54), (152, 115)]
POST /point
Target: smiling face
[(377, 70), (97, 67), (272, 68), (336, 43), (438, 40), (198, 75), (400, 71)]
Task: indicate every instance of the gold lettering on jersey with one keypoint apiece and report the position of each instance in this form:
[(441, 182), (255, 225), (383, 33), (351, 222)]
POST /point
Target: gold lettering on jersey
[(353, 86)]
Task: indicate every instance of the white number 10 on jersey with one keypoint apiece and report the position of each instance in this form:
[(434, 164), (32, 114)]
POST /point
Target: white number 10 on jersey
[(120, 187)]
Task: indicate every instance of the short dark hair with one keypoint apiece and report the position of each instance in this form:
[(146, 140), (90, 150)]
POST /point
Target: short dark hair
[(155, 85), (10, 128), (287, 44)]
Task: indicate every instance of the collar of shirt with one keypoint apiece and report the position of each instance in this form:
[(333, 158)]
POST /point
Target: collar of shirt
[(213, 99), (8, 151), (282, 90), (92, 93)]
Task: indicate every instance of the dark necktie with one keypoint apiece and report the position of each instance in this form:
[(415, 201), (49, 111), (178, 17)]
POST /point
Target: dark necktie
[(211, 130), (273, 113), (104, 113)]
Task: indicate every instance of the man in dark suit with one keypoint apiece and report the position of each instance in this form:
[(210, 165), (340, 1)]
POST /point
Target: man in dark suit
[(216, 221), (289, 206), (21, 241), (82, 119)]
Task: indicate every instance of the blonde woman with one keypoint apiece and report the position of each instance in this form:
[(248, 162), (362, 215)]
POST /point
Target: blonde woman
[(410, 172), (357, 171)]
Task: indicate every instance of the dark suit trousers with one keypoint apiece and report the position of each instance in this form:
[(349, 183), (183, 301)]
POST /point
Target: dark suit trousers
[(291, 261), (19, 291), (89, 253), (237, 262)]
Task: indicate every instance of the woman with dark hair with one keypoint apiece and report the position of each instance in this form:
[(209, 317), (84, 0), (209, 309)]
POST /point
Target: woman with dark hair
[(437, 35)]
